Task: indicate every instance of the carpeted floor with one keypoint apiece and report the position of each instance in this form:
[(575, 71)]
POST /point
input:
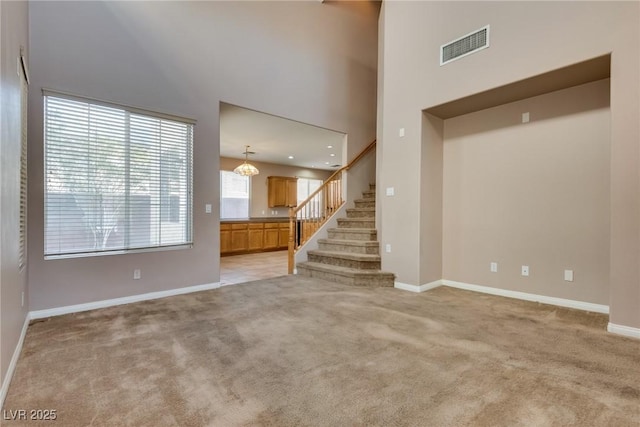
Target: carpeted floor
[(298, 351)]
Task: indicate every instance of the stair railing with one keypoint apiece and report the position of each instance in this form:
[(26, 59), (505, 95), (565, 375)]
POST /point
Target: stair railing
[(306, 218)]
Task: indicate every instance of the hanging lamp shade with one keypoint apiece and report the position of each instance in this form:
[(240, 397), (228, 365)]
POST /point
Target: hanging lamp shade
[(246, 169)]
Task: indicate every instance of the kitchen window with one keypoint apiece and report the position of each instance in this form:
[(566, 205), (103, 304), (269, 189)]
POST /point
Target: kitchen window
[(234, 195)]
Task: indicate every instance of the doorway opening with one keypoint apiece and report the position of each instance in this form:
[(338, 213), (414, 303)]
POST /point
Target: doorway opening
[(293, 159)]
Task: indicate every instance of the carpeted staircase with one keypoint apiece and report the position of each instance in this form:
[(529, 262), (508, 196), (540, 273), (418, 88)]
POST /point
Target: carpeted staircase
[(351, 254)]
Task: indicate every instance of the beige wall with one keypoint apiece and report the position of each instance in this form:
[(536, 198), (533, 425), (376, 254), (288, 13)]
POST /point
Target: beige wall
[(305, 61), (13, 34), (527, 39), (431, 166), (258, 198), (533, 194)]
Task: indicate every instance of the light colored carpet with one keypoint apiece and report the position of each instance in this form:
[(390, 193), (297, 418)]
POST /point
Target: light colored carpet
[(299, 351)]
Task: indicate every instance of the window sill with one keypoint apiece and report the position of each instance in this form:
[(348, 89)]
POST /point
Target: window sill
[(119, 252)]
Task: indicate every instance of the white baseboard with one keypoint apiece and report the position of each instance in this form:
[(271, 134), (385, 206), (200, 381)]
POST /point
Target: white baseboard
[(417, 288), (627, 331), (39, 314), (58, 311), (14, 360), (561, 302)]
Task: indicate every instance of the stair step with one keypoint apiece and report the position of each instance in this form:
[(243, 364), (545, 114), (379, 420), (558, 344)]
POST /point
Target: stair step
[(361, 213), (369, 194), (354, 246), (351, 254), (356, 222), (345, 275), (364, 234), (365, 203), (345, 259)]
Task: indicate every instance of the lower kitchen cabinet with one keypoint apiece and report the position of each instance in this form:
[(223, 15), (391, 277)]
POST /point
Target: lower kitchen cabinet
[(225, 238), (283, 235), (271, 236), (253, 236), (256, 236)]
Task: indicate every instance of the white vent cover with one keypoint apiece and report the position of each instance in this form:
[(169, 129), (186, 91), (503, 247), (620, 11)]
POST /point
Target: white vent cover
[(464, 45)]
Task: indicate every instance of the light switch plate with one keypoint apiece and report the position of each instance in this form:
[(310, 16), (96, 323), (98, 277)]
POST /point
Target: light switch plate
[(568, 275), (207, 208), (525, 270), (525, 117), (401, 132), (390, 191), (494, 267)]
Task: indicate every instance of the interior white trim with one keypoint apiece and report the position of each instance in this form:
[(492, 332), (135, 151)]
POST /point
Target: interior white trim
[(580, 305), (627, 331), (58, 311), (14, 360), (417, 288)]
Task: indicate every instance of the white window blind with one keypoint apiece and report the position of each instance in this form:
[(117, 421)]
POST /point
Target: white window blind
[(22, 232), (306, 186), (234, 195), (117, 178)]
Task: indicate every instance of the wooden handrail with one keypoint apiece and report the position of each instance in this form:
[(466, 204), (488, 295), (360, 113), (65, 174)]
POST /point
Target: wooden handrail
[(339, 171), (316, 209)]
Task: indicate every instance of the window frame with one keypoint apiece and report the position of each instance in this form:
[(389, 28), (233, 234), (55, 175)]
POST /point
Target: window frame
[(24, 178), (188, 174), (308, 185), (249, 180)]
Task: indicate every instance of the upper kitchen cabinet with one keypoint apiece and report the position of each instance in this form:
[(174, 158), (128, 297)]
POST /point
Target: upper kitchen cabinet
[(282, 191)]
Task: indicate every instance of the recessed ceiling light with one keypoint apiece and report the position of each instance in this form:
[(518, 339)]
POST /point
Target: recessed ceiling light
[(326, 163), (332, 155), (329, 146), (291, 157)]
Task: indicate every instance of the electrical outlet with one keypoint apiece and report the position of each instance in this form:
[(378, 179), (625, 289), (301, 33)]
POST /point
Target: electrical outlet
[(494, 267), (136, 274), (525, 270)]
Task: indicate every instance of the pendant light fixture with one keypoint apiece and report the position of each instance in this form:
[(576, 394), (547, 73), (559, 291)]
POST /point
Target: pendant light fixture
[(246, 169)]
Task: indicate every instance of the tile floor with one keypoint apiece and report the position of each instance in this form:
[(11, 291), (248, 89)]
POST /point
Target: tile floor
[(245, 268)]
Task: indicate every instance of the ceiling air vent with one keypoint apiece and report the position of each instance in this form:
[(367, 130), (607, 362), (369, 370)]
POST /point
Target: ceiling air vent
[(464, 46)]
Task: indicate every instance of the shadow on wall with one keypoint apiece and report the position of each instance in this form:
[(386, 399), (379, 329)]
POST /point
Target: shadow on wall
[(538, 110), (532, 89)]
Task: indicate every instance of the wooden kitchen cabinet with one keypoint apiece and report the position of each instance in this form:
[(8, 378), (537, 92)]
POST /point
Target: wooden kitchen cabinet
[(225, 238), (239, 237), (253, 236), (283, 235), (282, 191), (271, 236), (256, 236)]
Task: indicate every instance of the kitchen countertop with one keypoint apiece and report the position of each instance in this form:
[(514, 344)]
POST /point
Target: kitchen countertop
[(256, 219)]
